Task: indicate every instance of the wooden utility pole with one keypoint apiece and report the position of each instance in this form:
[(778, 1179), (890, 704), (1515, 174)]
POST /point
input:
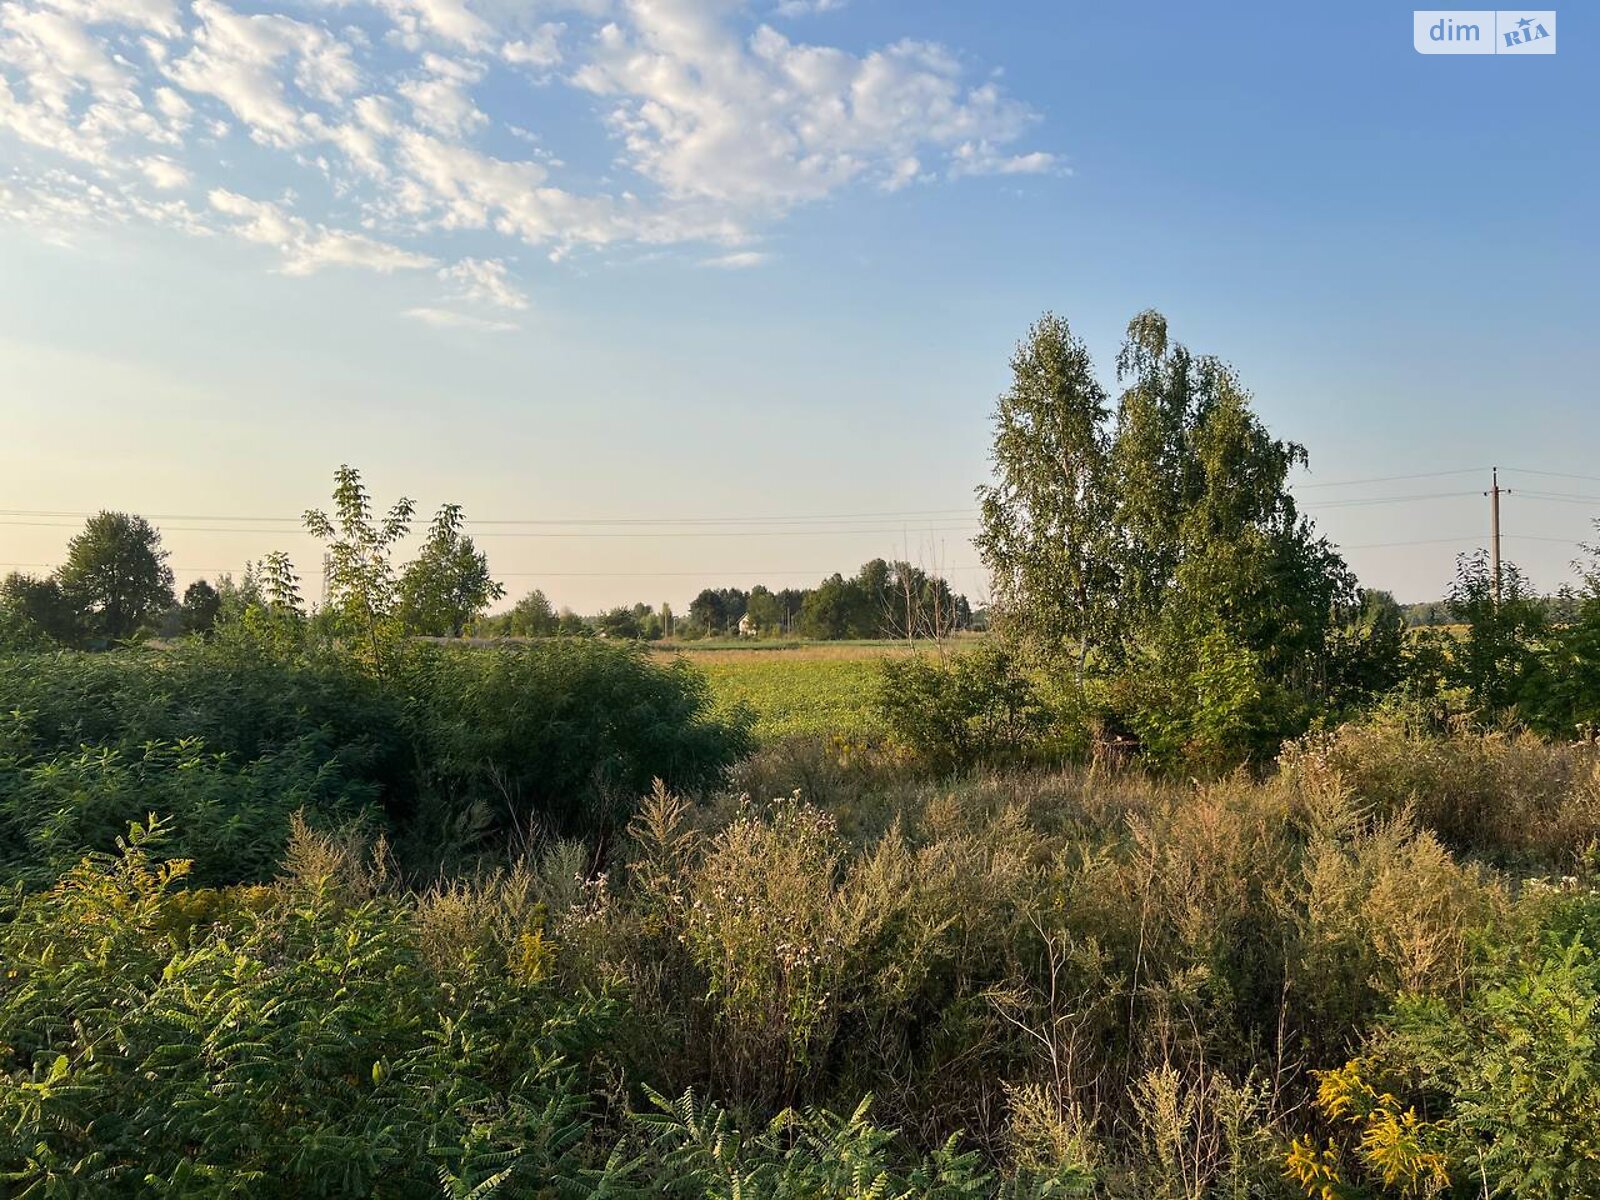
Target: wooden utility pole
[(1494, 535)]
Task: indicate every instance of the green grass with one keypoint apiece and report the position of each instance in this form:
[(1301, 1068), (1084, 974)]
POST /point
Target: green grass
[(796, 694)]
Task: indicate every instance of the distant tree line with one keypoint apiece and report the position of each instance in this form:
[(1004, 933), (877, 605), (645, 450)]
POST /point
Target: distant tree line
[(1559, 609), (881, 600), (116, 586)]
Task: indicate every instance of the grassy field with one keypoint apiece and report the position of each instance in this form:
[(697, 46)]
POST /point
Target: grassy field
[(795, 687)]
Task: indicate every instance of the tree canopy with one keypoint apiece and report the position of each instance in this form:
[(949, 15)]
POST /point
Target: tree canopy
[(116, 575)]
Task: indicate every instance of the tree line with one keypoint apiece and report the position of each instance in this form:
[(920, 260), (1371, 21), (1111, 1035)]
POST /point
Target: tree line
[(116, 585)]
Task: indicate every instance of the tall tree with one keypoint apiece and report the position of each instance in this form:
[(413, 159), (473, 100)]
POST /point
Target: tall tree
[(1046, 521), (1498, 654), (201, 604), (448, 584), (361, 579), (1168, 548), (532, 616), (38, 612), (116, 575)]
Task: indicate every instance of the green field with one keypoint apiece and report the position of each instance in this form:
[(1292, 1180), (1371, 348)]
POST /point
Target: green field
[(817, 688)]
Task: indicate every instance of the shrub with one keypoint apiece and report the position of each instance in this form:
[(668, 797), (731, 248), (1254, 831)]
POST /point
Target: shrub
[(288, 1038), (1497, 1095), (1507, 797), (698, 1152), (452, 746), (976, 707), (230, 743), (563, 734), (234, 820)]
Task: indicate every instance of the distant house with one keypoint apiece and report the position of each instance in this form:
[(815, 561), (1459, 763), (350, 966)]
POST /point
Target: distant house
[(747, 627)]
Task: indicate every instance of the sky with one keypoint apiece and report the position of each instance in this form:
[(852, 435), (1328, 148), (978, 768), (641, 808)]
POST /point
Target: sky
[(684, 293)]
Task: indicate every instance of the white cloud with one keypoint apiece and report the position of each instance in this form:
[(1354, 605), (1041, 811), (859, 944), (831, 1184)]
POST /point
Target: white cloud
[(158, 16), (240, 59), (445, 318), (308, 248), (485, 281), (805, 8), (766, 121), (719, 124), (981, 158), (165, 174), (542, 48), (440, 99), (174, 107), (418, 21), (741, 260)]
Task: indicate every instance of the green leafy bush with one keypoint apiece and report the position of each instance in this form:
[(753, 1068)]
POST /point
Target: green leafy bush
[(698, 1152), (565, 733), (975, 707), (1495, 1094), (291, 1040), (231, 738)]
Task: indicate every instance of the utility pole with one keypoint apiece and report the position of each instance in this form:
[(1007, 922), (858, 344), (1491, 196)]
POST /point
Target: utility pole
[(1494, 493)]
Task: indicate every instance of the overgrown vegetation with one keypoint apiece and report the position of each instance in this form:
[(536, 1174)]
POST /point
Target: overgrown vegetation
[(1050, 983), (1200, 878), (449, 752)]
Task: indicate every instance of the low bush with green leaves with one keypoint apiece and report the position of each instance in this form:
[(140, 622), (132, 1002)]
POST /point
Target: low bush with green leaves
[(283, 1040), (956, 712), (451, 751), (1492, 1093)]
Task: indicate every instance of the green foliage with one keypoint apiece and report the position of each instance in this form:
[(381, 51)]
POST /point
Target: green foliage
[(1066, 984), (116, 576), (1159, 546), (361, 582), (809, 1155), (1370, 658), (953, 713), (1497, 1094), (232, 737), (564, 733), (162, 1042), (532, 616), (1496, 658), (1047, 537), (36, 614), (201, 605), (235, 820), (448, 583), (230, 741)]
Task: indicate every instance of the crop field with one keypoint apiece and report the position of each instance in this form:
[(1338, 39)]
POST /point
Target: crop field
[(797, 688)]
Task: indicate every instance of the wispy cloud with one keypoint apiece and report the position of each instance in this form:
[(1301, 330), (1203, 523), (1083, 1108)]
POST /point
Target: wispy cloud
[(741, 260), (805, 8), (370, 133), (447, 318)]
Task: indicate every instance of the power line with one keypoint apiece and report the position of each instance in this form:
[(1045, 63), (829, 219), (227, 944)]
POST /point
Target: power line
[(1449, 541), (1553, 474), (909, 514), (653, 533), (1367, 501), (1388, 478), (814, 573), (1562, 497)]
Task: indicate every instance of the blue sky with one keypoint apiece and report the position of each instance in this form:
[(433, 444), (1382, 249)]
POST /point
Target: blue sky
[(718, 264)]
